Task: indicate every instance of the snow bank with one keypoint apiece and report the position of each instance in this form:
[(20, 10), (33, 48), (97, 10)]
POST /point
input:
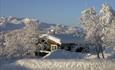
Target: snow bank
[(62, 54)]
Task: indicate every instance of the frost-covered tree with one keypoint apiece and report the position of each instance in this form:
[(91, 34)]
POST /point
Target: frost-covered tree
[(108, 20), (91, 23), (19, 42), (98, 26), (2, 41)]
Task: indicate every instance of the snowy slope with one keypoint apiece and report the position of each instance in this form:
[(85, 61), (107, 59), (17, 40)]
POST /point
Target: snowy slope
[(59, 60), (62, 54)]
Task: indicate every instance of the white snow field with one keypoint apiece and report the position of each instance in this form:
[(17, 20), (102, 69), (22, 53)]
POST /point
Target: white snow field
[(59, 60), (60, 64)]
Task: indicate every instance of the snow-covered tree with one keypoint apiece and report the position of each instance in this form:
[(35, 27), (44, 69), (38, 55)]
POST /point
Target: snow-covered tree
[(19, 42), (2, 41), (108, 20), (98, 26)]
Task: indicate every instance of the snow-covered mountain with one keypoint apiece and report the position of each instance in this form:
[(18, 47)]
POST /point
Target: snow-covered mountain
[(13, 23), (10, 23), (11, 26)]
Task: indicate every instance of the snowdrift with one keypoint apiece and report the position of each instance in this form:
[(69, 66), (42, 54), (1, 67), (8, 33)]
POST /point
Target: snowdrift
[(62, 54)]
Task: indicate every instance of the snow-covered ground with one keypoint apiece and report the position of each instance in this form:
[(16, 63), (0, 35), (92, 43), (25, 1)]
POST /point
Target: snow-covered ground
[(60, 64), (59, 60), (62, 54)]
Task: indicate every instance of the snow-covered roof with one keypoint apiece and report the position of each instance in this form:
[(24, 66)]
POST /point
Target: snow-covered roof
[(55, 39), (67, 38), (62, 38)]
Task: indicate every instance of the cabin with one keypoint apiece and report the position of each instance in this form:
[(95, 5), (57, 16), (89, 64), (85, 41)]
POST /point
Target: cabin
[(63, 41), (69, 41), (51, 41)]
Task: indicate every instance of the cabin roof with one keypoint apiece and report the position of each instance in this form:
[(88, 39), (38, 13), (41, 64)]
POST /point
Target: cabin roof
[(67, 38), (63, 38), (53, 38)]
